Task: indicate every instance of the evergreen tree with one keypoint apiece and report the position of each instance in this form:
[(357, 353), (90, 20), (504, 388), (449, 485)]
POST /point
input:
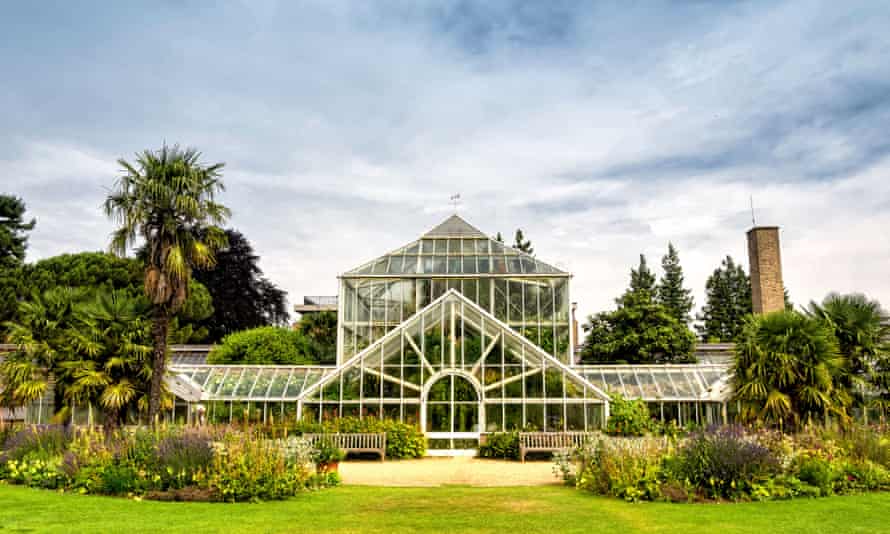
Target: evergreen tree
[(642, 280), (670, 291), (520, 243), (13, 240), (499, 238), (728, 302), (639, 330)]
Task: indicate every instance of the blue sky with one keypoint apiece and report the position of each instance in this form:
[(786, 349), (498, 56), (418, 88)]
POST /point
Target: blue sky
[(602, 129)]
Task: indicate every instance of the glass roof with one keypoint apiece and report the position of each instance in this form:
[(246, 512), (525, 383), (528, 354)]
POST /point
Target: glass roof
[(661, 382), (250, 382), (455, 248)]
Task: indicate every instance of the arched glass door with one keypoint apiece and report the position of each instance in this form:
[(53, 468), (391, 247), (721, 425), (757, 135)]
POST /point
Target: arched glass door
[(453, 414)]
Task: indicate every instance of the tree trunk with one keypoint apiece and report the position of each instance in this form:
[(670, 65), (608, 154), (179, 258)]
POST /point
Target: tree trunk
[(159, 361)]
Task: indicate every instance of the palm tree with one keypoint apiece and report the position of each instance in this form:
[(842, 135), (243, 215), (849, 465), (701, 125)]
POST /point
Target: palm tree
[(168, 199), (786, 368), (112, 368), (41, 339), (858, 324)]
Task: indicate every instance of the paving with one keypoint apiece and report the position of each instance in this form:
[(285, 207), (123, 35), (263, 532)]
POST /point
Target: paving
[(429, 472)]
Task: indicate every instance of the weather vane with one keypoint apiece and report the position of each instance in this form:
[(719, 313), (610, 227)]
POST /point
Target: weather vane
[(455, 200)]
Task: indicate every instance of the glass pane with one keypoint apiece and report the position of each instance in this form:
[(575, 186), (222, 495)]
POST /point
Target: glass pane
[(426, 246), (441, 246), (410, 265), (496, 247), (469, 247), (380, 267), (484, 264), (482, 246), (453, 265), (395, 265), (470, 264), (414, 248)]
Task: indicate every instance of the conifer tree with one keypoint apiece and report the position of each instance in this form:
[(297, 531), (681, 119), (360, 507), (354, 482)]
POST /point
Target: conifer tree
[(499, 238), (642, 280), (728, 302), (13, 240), (520, 243), (670, 291)]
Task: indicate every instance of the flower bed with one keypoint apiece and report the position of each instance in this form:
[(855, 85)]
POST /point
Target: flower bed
[(732, 463), (212, 463)]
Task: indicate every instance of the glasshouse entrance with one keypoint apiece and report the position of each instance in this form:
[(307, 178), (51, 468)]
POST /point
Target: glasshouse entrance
[(452, 412)]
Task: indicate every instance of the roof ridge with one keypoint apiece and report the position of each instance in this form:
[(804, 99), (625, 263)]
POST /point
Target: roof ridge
[(455, 226)]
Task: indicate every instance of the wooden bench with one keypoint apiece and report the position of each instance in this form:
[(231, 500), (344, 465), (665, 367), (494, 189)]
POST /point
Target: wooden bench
[(551, 441), (375, 443)]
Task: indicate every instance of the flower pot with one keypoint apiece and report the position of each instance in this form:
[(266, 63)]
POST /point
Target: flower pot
[(328, 467)]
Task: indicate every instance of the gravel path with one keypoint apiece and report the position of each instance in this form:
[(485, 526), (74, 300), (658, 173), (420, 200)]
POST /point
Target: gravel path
[(447, 471)]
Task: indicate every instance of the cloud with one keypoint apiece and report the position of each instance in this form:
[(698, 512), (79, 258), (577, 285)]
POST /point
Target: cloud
[(602, 130)]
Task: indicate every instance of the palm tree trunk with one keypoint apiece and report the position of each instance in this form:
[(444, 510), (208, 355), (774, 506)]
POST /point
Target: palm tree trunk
[(159, 361)]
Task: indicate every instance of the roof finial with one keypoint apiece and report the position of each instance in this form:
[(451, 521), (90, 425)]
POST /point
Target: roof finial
[(455, 201)]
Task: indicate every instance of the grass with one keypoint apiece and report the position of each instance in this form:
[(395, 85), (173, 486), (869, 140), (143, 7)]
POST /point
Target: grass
[(551, 509)]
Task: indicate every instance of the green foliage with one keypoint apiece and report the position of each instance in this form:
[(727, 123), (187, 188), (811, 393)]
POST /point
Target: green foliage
[(168, 199), (500, 445), (94, 345), (13, 228), (402, 440), (629, 469), (521, 243), (242, 297), (728, 301), (729, 463), (201, 463), (264, 345), (670, 292), (786, 370), (320, 329), (642, 280), (862, 339), (725, 463), (638, 331), (628, 417), (325, 453)]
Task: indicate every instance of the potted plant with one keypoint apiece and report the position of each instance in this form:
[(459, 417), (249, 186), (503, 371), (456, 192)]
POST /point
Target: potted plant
[(327, 457)]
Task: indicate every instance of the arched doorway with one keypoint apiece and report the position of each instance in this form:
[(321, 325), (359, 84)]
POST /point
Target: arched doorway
[(452, 415)]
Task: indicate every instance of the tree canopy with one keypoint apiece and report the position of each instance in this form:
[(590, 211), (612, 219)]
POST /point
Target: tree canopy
[(670, 292), (728, 301), (639, 330), (266, 345), (787, 369), (13, 231), (168, 199), (521, 243), (242, 297), (858, 323)]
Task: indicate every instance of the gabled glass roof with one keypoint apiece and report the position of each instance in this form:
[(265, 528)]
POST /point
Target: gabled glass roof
[(653, 383), (455, 248)]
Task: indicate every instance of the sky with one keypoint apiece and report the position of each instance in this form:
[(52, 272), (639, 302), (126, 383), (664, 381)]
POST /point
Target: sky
[(603, 129)]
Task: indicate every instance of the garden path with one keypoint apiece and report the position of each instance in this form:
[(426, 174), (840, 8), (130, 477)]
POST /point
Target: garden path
[(426, 472)]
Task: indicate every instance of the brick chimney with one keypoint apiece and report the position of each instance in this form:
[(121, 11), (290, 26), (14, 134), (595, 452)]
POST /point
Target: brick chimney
[(764, 258)]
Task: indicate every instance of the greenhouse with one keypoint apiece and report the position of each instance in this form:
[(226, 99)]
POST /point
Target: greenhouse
[(461, 335)]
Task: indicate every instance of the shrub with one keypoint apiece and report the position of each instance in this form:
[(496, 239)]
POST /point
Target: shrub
[(249, 468), (724, 462), (628, 417), (183, 457), (629, 468), (402, 440), (45, 441), (500, 445), (264, 345)]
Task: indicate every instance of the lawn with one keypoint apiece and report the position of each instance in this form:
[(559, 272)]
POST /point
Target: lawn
[(454, 509)]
